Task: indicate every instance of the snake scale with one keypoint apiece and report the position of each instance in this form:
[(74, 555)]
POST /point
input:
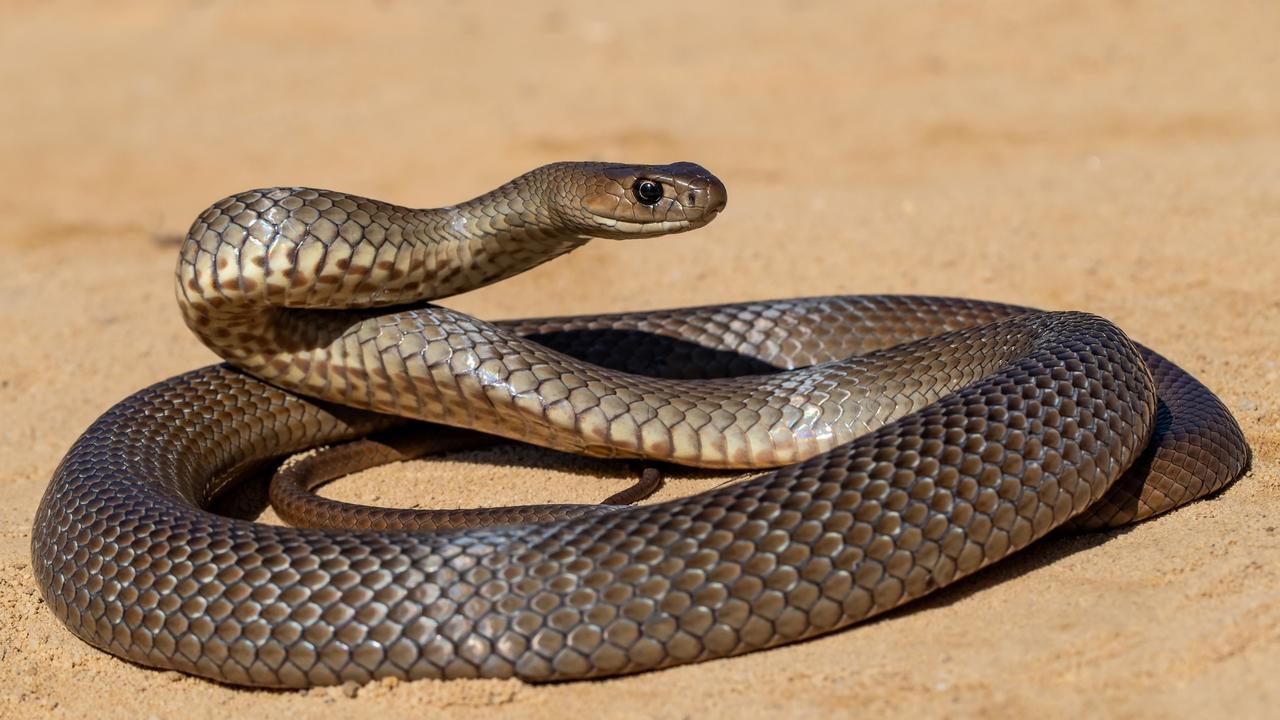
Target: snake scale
[(913, 441)]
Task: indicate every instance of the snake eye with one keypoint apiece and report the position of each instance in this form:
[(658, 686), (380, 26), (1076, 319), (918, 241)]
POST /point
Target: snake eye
[(647, 191)]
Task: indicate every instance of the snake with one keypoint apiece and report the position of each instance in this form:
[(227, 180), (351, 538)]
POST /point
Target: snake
[(898, 443)]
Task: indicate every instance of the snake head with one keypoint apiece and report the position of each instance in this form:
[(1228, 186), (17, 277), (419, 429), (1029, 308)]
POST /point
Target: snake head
[(620, 201)]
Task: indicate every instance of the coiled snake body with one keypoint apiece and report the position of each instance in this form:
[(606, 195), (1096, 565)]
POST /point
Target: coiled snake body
[(916, 440)]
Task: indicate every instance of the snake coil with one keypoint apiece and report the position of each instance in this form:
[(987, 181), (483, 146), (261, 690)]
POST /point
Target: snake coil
[(914, 441)]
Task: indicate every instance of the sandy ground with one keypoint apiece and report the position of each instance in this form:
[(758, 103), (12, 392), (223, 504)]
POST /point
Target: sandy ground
[(1116, 157)]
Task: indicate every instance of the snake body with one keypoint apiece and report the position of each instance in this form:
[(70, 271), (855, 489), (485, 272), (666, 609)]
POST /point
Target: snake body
[(915, 440)]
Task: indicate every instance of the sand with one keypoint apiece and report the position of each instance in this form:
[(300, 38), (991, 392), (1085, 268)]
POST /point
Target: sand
[(1117, 157)]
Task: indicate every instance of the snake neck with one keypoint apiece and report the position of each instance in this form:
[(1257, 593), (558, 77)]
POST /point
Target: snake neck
[(259, 271)]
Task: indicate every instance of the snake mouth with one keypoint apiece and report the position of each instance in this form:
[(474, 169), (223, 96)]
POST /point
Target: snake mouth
[(625, 229)]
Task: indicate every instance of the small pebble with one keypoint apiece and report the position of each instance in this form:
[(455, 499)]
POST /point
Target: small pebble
[(351, 688)]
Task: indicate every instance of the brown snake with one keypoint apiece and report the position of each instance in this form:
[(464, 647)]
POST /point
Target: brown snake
[(916, 440)]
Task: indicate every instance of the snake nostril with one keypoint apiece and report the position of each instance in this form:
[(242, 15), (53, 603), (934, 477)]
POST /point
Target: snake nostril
[(693, 199)]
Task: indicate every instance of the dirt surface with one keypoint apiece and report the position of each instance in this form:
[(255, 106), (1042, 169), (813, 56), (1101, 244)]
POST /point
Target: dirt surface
[(1117, 157)]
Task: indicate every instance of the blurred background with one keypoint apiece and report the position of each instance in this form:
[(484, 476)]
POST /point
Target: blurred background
[(1115, 156), (838, 127)]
